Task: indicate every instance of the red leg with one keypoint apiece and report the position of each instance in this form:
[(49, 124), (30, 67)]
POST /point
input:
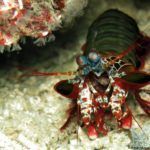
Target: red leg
[(119, 109), (71, 112), (99, 121), (126, 121), (91, 131), (143, 103), (86, 110), (116, 101)]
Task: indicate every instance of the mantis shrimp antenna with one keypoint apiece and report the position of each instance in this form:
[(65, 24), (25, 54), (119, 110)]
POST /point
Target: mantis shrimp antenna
[(132, 47), (36, 73), (124, 53), (139, 126), (134, 118)]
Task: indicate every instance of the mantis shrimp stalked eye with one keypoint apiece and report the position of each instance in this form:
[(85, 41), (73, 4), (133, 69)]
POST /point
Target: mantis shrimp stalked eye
[(93, 57), (81, 60)]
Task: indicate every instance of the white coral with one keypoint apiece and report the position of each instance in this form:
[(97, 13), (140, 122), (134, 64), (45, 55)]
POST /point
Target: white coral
[(37, 19)]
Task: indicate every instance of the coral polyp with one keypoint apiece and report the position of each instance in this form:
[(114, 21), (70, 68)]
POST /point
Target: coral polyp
[(32, 18)]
